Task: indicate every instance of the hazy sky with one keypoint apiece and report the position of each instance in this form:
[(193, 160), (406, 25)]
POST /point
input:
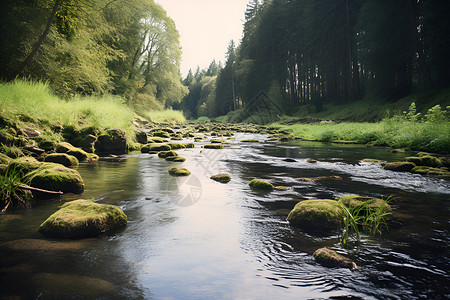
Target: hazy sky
[(206, 27)]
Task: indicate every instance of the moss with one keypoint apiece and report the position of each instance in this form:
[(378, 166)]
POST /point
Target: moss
[(223, 178), (5, 159), (250, 141), (83, 218), (420, 154), (371, 160), (156, 139), (317, 215), (398, 151), (217, 141), (161, 134), (439, 173), (164, 154), (54, 177), (311, 161), (330, 258), (282, 188), (179, 171), (176, 146), (188, 145), (429, 161), (445, 161), (400, 166), (176, 158), (261, 184), (422, 170), (67, 148), (213, 146), (24, 164), (373, 203), (62, 159), (155, 147)]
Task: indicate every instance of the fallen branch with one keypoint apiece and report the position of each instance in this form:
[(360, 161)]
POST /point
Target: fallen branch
[(29, 188)]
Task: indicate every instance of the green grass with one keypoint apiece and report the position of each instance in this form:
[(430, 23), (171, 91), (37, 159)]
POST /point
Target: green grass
[(394, 132), (35, 100), (168, 115)]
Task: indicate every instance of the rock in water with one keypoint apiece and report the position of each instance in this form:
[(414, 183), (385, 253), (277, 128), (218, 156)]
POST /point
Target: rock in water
[(261, 185), (317, 215), (223, 178), (113, 142), (83, 218), (55, 177), (330, 258)]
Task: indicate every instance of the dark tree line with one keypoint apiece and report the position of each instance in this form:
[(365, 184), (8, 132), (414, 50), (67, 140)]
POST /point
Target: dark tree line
[(311, 51)]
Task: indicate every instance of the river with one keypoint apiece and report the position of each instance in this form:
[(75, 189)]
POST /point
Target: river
[(193, 238)]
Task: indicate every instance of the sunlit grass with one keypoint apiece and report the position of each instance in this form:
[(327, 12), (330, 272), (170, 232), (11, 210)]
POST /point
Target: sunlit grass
[(36, 100), (168, 115)]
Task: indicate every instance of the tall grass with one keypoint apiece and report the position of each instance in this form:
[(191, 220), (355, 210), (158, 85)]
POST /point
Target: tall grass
[(431, 136), (168, 115), (36, 100), (10, 194)]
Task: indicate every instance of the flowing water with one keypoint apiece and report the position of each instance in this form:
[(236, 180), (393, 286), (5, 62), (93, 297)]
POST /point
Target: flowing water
[(193, 238)]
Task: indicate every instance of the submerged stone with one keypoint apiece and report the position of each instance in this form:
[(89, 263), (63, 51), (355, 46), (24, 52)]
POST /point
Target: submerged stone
[(223, 178), (155, 147), (179, 171), (164, 154), (317, 215), (83, 218), (330, 258), (261, 185)]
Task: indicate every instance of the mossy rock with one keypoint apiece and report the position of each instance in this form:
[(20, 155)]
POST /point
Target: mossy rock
[(428, 161), (55, 177), (371, 160), (175, 158), (261, 185), (179, 171), (311, 161), (317, 215), (188, 145), (398, 151), (400, 166), (156, 139), (62, 159), (445, 161), (141, 137), (68, 148), (83, 218), (114, 141), (373, 203), (420, 154), (213, 146), (155, 147), (161, 134), (223, 178), (176, 146), (24, 164), (329, 258), (164, 154), (217, 141), (439, 173), (422, 170), (282, 188)]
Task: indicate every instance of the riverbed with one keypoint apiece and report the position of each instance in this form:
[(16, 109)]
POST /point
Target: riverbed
[(194, 238)]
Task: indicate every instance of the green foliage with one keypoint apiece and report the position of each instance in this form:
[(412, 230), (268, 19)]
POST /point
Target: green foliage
[(168, 115), (362, 216), (412, 114), (10, 194)]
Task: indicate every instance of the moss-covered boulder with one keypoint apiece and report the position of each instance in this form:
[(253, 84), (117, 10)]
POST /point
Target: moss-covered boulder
[(141, 137), (155, 147), (69, 149), (401, 166), (113, 141), (188, 145), (62, 159), (83, 218), (155, 139), (161, 134), (164, 154), (175, 158), (317, 215), (445, 161), (179, 171), (176, 146), (428, 161), (55, 177), (223, 178), (213, 146), (261, 185), (24, 164), (330, 258), (372, 203)]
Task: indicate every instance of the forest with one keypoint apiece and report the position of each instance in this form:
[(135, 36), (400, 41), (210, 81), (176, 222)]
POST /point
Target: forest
[(125, 48), (319, 51)]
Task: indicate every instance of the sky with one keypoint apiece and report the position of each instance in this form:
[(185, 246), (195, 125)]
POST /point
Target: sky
[(206, 28)]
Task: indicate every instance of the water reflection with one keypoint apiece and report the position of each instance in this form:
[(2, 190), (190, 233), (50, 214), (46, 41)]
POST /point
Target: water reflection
[(193, 238)]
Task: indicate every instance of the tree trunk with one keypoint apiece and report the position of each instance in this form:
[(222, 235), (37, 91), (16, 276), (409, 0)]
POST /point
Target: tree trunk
[(30, 57)]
